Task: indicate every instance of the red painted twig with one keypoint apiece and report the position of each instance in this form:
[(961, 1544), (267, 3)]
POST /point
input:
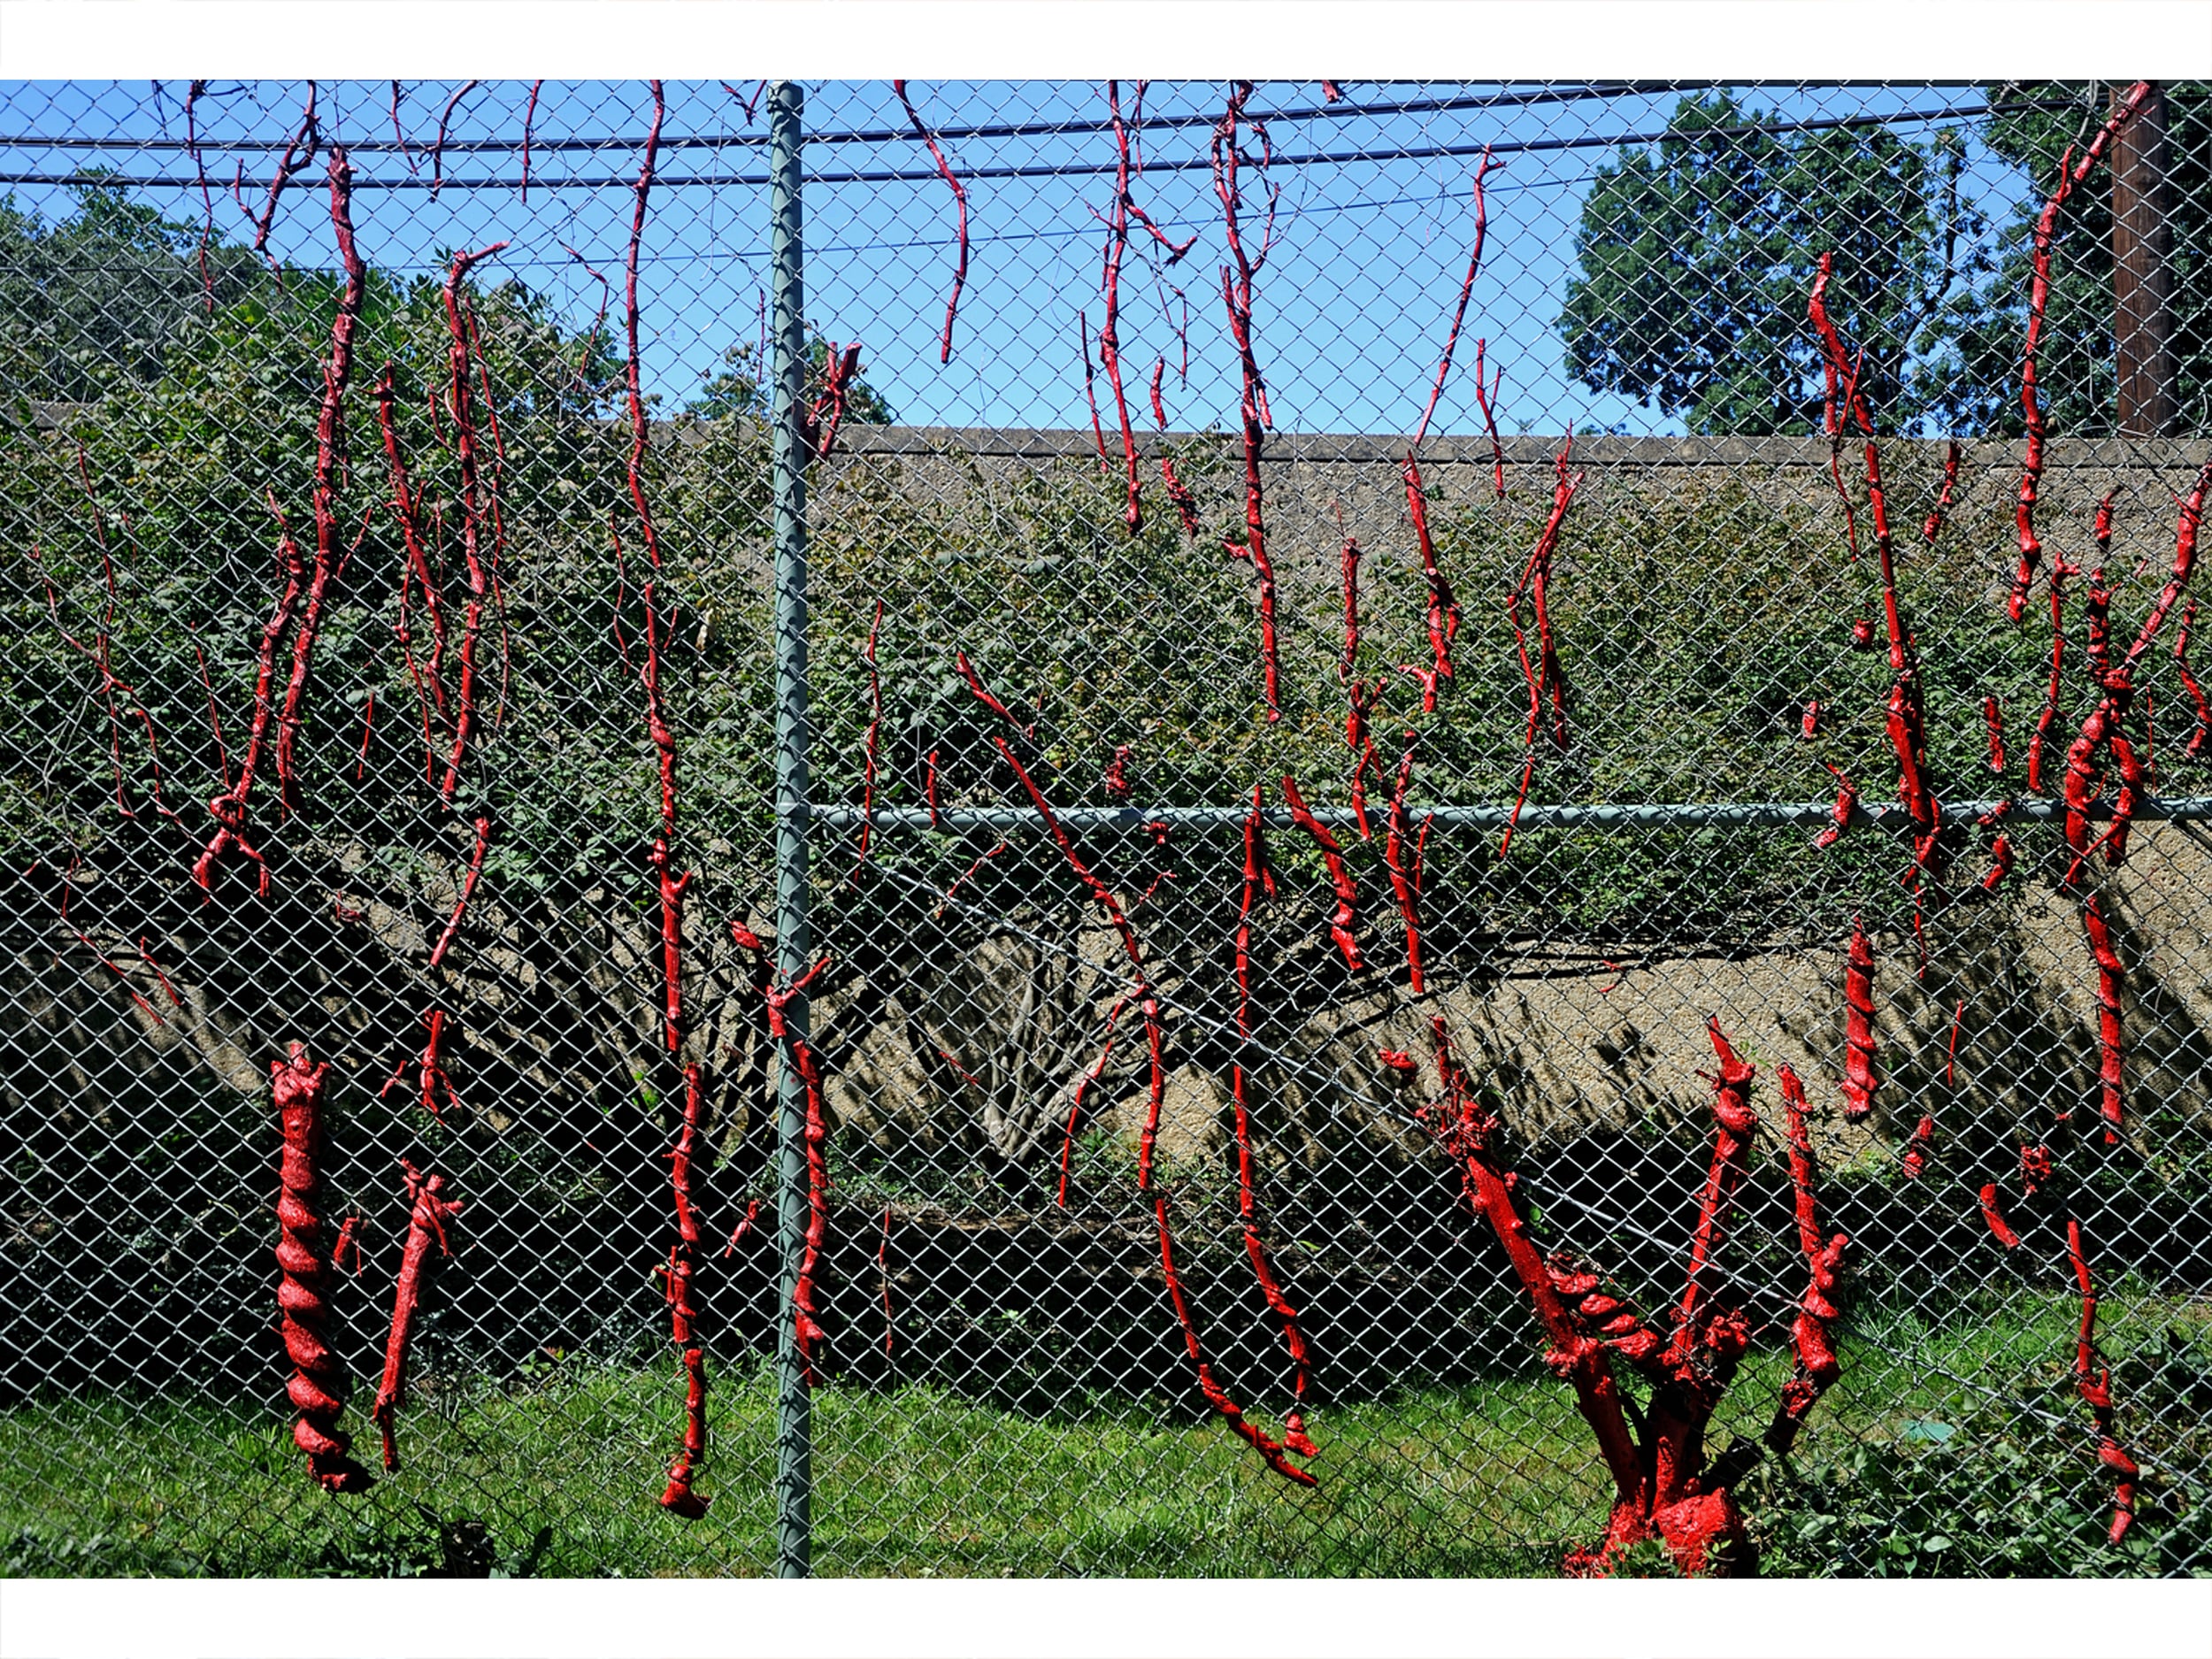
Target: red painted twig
[(1546, 684), (529, 115), (2061, 569), (1486, 393), (1735, 1123), (1847, 804), (330, 561), (2102, 735), (1907, 721), (319, 1382), (1110, 283), (983, 695), (1933, 527), (1361, 698), (1148, 1004), (1084, 1083), (1993, 719), (429, 1212), (1993, 1217), (192, 93)]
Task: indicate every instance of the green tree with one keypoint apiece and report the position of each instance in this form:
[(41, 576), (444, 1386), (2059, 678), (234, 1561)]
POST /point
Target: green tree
[(1697, 253)]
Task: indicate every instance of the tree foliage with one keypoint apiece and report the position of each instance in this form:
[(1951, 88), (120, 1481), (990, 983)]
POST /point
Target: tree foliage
[(1696, 255), (104, 292)]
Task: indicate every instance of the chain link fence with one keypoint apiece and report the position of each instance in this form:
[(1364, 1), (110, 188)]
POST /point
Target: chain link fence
[(1221, 1138)]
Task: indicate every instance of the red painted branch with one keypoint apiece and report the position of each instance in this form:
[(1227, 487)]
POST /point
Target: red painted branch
[(2202, 731), (1860, 1081), (476, 513), (2096, 1390), (1361, 698), (1485, 392), (1459, 313), (297, 153), (1236, 293), (2110, 974), (1736, 1123), (1847, 804), (529, 115), (330, 560), (1907, 722), (468, 892), (1186, 504), (1817, 1367), (1443, 612), (1084, 1083), (1934, 525), (437, 150), (1110, 331), (1993, 718), (1259, 881), (983, 695), (318, 1383), (1268, 1448), (1463, 1127), (1339, 877), (1548, 683), (2060, 570), (429, 1212), (1404, 880), (807, 1330), (1995, 1219), (2070, 176), (960, 202)]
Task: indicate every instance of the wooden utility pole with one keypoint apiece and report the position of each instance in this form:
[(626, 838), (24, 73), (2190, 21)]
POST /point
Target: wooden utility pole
[(2142, 272)]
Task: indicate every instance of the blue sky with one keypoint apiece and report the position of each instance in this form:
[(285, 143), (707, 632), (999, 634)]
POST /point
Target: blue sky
[(1351, 307)]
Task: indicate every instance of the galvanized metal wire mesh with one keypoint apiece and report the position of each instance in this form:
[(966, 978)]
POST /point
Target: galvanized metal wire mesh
[(461, 916)]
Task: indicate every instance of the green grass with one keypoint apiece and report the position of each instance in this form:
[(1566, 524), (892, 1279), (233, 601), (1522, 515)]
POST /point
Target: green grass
[(557, 1473)]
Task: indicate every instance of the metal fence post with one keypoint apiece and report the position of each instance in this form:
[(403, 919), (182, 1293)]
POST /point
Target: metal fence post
[(794, 1430)]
